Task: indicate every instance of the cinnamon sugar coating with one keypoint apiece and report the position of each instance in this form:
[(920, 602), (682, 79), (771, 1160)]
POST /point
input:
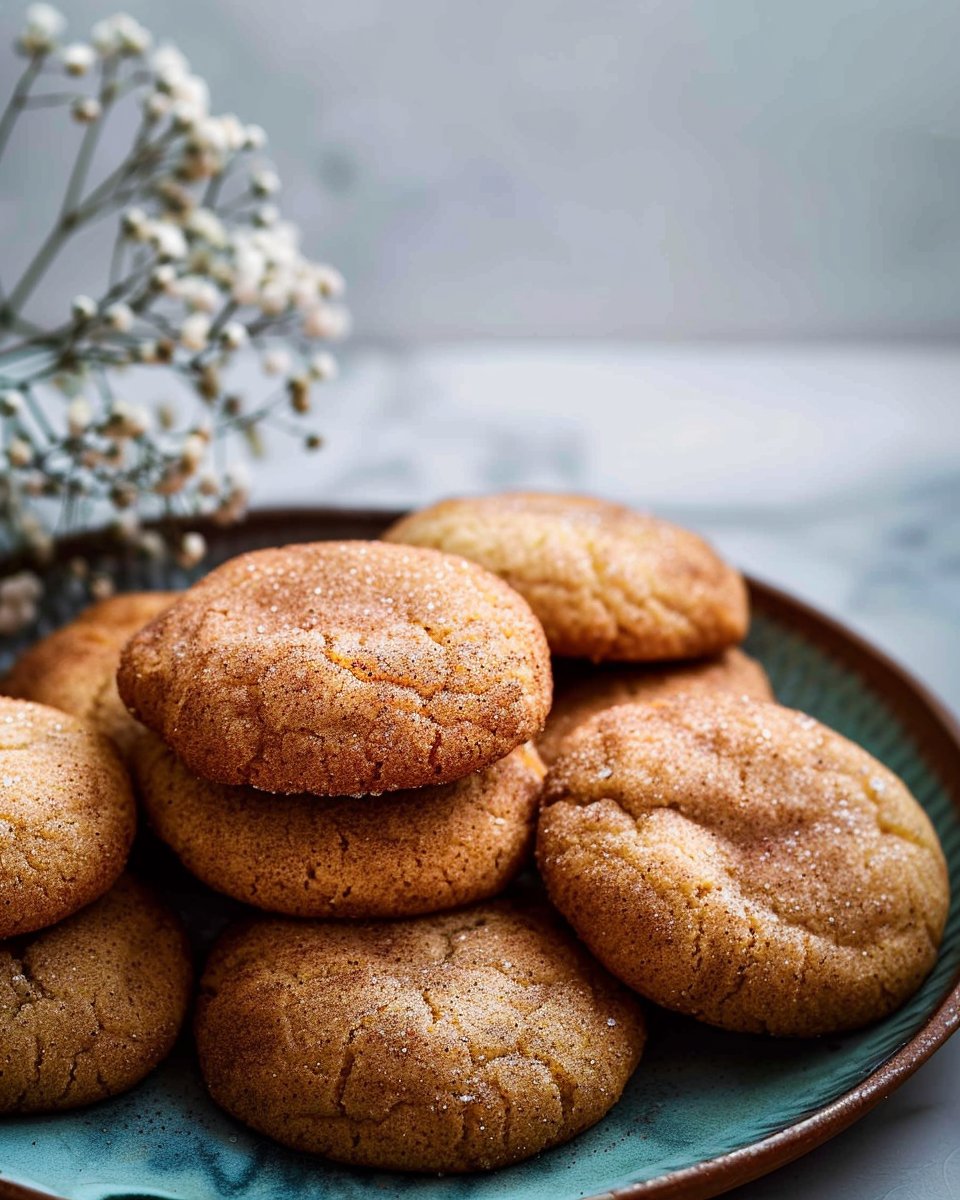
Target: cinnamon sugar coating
[(75, 667), (606, 582), (579, 695), (395, 855), (742, 863), (341, 668), (458, 1042), (67, 815), (90, 1006)]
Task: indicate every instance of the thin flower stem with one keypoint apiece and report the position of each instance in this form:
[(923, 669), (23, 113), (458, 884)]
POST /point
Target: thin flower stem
[(39, 415), (139, 156), (49, 99), (91, 135), (34, 271), (116, 258), (15, 103)]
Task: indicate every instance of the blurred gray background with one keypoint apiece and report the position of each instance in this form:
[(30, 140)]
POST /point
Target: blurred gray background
[(744, 168)]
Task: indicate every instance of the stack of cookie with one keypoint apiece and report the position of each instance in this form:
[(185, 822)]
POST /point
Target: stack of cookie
[(94, 970), (724, 856), (633, 608), (340, 735), (342, 730)]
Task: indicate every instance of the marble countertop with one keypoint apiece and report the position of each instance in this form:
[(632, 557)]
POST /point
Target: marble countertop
[(832, 471)]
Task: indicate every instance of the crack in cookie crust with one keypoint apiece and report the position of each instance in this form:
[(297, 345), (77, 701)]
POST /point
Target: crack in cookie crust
[(341, 668), (450, 1043), (66, 815), (389, 856), (606, 582), (89, 1006), (742, 863)]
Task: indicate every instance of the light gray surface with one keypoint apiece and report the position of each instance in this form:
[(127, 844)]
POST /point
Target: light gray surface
[(617, 168), (833, 472)]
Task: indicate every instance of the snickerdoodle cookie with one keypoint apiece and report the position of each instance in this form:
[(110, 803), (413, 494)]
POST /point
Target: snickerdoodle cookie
[(75, 668), (341, 668), (66, 815), (89, 1007), (606, 582), (591, 689), (742, 863), (447, 1043), (396, 855)]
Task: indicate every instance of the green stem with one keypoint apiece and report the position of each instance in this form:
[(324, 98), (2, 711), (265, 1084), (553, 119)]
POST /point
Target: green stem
[(49, 99), (91, 135), (16, 101)]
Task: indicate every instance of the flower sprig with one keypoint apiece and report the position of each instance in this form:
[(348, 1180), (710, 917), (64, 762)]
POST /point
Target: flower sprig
[(203, 269)]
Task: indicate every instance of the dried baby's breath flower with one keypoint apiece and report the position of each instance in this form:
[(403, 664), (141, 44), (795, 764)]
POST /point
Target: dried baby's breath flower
[(203, 267), (192, 549), (78, 58)]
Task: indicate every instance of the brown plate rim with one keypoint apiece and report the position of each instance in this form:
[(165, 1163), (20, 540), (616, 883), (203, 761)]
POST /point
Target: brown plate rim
[(937, 733)]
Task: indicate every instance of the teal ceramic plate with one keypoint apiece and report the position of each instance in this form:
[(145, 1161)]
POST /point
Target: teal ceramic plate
[(706, 1110)]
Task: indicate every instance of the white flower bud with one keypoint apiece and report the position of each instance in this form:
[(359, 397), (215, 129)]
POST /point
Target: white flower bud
[(19, 452), (147, 352), (265, 183), (192, 549), (168, 63), (198, 294), (79, 416), (157, 105), (330, 282), (195, 331), (136, 224), (208, 485), (83, 308), (274, 298), (151, 544), (86, 110), (192, 452), (133, 37), (102, 587), (206, 225), (102, 36), (255, 137), (44, 24), (78, 58), (127, 421), (323, 367), (266, 215), (163, 278), (11, 402), (325, 321), (276, 362), (192, 92), (246, 288), (234, 335), (119, 317), (120, 34), (167, 239)]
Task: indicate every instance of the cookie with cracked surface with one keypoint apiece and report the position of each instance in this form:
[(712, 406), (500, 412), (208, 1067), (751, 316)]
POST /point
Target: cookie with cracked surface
[(101, 996), (341, 668), (75, 667), (67, 815), (742, 863), (607, 583), (401, 854), (458, 1042), (584, 691)]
